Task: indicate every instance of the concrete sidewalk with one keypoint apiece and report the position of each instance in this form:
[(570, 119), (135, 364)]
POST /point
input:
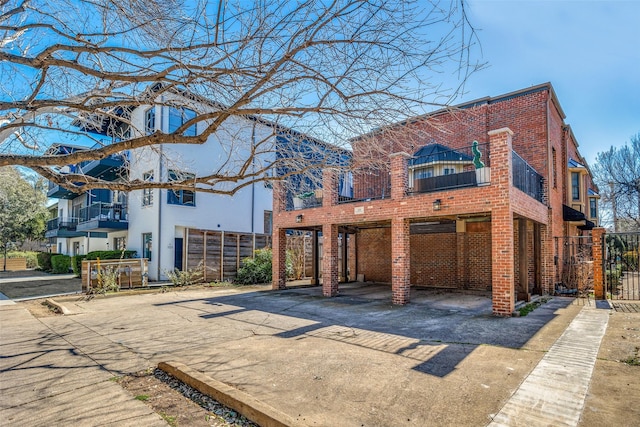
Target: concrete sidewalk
[(353, 360)]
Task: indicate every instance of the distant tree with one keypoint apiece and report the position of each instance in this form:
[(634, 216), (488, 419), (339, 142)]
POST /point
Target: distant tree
[(617, 173), (22, 209), (328, 69)]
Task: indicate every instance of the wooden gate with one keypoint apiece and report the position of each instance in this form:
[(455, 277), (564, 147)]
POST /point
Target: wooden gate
[(220, 252)]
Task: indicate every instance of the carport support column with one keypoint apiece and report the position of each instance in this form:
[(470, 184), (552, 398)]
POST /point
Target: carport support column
[(400, 258), (598, 255), (279, 251), (399, 175), (329, 260), (502, 244)]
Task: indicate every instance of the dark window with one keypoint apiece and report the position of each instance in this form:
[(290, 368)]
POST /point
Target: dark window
[(575, 185), (146, 246), (119, 243), (178, 117), (268, 222), (150, 121), (147, 193), (593, 208), (181, 197)]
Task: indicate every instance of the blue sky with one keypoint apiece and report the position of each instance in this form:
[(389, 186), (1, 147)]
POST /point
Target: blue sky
[(588, 50)]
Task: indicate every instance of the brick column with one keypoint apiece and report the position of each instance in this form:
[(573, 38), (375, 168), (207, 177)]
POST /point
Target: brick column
[(598, 255), (401, 261), (548, 268), (279, 197), (329, 260), (502, 244), (329, 187), (399, 175), (279, 258)]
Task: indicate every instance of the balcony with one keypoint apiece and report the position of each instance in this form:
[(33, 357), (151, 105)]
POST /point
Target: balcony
[(108, 168), (63, 227), (58, 192), (526, 179), (103, 217)]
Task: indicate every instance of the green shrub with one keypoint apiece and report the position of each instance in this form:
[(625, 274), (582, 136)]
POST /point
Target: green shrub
[(44, 261), (630, 259), (93, 255), (76, 264), (60, 264), (31, 256), (258, 269)]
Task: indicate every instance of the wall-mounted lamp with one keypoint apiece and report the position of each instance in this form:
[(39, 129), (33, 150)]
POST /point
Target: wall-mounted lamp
[(299, 218), (437, 204)]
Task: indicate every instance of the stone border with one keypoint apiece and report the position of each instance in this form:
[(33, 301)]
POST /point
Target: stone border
[(253, 409)]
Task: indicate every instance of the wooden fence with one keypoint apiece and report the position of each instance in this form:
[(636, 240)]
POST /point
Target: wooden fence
[(220, 252), (14, 264), (132, 273)]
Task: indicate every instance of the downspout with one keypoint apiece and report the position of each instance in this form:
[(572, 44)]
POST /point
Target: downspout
[(160, 170), (253, 184)]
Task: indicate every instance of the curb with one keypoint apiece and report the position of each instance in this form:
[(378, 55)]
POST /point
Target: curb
[(64, 310), (255, 410)]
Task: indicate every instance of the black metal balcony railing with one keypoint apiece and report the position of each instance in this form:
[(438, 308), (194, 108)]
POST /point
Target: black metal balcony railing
[(62, 223), (526, 179), (364, 186), (104, 212)]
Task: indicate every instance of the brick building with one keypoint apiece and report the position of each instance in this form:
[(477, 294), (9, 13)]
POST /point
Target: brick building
[(470, 197)]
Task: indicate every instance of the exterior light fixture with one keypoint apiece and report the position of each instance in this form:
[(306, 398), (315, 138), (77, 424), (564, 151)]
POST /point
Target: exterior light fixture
[(437, 204), (299, 218)]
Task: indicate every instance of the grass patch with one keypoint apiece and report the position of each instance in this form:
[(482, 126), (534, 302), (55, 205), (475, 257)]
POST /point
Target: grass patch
[(142, 397), (633, 360), (531, 306), (170, 419)]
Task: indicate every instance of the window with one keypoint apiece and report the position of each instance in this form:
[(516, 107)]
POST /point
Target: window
[(119, 243), (178, 117), (268, 222), (449, 171), (76, 248), (147, 193), (150, 121), (181, 197), (593, 208), (423, 173), (575, 185), (146, 246)]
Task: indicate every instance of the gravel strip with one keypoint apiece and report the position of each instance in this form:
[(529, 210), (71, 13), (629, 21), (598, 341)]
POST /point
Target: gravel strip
[(206, 402)]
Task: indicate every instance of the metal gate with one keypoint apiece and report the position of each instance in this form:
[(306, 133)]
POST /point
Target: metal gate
[(574, 265), (621, 265)]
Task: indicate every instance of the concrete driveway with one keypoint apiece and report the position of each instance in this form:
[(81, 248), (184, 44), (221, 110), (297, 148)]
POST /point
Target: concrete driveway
[(353, 360)]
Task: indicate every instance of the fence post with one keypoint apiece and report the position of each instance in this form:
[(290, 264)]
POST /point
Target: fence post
[(597, 236)]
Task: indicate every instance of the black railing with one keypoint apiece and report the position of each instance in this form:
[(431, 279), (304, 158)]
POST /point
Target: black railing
[(62, 223), (364, 185), (526, 179), (104, 212)]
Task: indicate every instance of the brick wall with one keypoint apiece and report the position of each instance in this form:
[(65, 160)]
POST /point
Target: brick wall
[(374, 254)]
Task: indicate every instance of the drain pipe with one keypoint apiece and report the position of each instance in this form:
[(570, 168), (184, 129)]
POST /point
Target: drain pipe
[(160, 170), (253, 184)]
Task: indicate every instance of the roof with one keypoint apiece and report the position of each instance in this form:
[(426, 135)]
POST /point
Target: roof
[(438, 153), (574, 164), (593, 192)]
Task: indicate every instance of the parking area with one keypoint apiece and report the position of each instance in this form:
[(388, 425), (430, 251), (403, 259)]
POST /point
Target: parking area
[(352, 360)]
